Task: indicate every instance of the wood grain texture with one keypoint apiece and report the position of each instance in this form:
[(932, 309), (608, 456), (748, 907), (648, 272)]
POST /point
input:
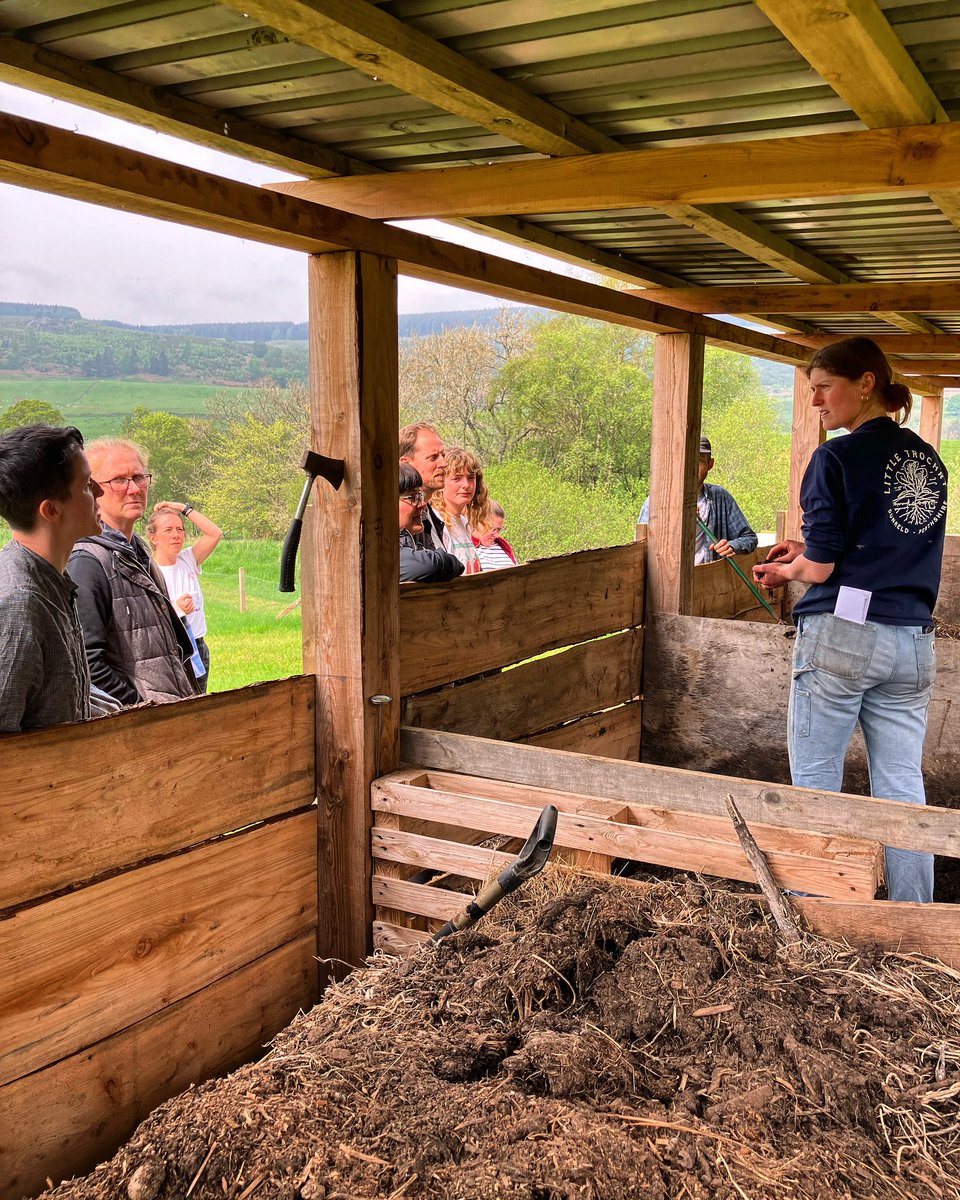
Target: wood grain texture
[(674, 457), (948, 602), (718, 591), (930, 929), (372, 40), (401, 942), (935, 295), (351, 566), (454, 630), (63, 1120), (932, 829), (594, 831), (48, 159), (81, 966), (80, 800), (611, 734), (537, 695), (806, 435), (716, 700), (931, 418), (877, 161)]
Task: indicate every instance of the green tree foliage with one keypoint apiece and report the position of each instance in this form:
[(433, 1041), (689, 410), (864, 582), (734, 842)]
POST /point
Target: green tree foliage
[(580, 402), (752, 454), (175, 447), (251, 479), (251, 456), (546, 514), (30, 412)]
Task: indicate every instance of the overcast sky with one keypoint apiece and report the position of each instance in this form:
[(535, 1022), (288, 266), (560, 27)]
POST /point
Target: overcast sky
[(114, 266)]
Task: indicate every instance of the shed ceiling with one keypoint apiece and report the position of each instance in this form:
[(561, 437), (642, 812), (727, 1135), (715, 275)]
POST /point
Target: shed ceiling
[(335, 87)]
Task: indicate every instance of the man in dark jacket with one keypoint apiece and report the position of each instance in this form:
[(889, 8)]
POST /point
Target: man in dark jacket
[(137, 647), (416, 561)]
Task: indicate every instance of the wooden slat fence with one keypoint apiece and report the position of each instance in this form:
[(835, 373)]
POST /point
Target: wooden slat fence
[(575, 686), (158, 913), (653, 814)]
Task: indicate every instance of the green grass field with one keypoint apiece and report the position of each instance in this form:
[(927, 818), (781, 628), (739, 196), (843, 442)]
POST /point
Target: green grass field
[(254, 645), (98, 406)]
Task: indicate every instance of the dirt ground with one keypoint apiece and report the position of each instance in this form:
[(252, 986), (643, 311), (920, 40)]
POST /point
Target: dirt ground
[(590, 1040)]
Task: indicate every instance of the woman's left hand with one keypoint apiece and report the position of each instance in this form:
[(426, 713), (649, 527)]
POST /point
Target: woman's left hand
[(185, 603), (723, 548), (174, 506)]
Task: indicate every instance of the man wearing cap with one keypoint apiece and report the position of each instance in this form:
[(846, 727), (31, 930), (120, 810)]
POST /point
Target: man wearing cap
[(721, 514)]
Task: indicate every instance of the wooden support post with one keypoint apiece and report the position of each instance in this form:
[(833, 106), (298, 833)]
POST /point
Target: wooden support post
[(242, 586), (671, 534), (931, 419), (351, 622), (806, 436)]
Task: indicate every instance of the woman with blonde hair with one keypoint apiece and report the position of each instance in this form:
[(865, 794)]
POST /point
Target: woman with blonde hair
[(463, 504)]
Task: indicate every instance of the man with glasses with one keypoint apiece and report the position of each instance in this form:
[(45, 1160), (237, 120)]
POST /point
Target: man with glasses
[(137, 647), (417, 562)]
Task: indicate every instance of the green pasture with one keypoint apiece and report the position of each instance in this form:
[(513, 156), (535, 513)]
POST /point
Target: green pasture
[(98, 406), (254, 645)]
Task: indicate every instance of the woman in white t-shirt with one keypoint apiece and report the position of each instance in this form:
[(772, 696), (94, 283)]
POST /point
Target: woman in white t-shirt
[(180, 567), (462, 504)]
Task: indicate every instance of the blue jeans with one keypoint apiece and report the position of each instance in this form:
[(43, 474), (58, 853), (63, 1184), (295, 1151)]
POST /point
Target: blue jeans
[(881, 675)]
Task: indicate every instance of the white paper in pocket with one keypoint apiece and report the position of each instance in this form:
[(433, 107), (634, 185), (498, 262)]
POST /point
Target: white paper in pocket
[(853, 604)]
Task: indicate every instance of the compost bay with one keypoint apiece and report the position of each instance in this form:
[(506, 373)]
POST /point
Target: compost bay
[(590, 1039)]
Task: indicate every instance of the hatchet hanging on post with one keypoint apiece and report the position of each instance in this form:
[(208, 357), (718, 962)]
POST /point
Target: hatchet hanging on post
[(317, 466)]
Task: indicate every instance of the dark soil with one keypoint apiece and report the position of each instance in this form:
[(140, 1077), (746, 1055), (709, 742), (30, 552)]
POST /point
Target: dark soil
[(593, 1041)]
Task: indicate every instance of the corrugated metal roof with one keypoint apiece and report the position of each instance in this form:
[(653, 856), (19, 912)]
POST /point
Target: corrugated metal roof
[(647, 74)]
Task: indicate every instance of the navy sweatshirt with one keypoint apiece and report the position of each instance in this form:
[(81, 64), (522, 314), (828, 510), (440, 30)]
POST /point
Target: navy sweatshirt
[(875, 503)]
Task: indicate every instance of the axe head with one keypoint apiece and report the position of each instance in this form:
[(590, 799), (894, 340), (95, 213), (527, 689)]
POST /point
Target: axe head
[(318, 465)]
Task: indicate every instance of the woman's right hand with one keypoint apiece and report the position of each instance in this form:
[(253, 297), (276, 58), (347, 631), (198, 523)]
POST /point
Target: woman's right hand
[(185, 603)]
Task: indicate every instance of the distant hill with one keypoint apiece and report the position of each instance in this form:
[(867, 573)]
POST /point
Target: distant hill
[(54, 341), (410, 325)]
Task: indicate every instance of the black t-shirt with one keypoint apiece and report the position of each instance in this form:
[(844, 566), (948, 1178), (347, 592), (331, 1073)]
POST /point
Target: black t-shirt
[(875, 503)]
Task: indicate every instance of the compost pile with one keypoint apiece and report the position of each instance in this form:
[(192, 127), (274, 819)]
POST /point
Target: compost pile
[(596, 1039)]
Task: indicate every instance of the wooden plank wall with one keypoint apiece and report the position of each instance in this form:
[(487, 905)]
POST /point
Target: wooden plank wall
[(158, 913), (948, 605), (586, 696), (718, 591), (716, 700), (611, 809)]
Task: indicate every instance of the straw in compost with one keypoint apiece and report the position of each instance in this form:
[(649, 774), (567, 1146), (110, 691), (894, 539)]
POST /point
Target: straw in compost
[(591, 1040)]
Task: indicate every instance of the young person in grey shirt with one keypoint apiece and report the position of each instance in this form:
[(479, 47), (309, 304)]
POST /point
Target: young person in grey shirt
[(49, 500)]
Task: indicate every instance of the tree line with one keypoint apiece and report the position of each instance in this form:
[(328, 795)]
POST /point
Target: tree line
[(559, 410)]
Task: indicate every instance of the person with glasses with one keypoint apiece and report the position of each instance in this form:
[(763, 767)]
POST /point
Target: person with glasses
[(137, 647), (416, 561)]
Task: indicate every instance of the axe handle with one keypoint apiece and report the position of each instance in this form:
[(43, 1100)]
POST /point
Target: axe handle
[(288, 556), (291, 543)]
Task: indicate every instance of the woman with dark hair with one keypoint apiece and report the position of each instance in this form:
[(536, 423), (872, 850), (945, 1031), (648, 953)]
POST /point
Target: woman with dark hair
[(874, 515), (416, 562)]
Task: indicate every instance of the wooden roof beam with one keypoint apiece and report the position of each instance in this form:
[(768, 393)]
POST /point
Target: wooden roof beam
[(855, 49), (82, 168), (91, 86), (41, 70), (373, 41), (906, 161), (925, 295)]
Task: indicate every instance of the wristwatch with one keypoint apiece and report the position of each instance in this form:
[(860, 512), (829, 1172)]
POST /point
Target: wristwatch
[(186, 510)]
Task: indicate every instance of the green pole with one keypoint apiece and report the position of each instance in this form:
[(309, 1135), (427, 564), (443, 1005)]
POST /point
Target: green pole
[(736, 566)]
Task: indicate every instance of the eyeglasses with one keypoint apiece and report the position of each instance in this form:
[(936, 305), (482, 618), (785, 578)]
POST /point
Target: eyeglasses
[(120, 483), (414, 497)]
